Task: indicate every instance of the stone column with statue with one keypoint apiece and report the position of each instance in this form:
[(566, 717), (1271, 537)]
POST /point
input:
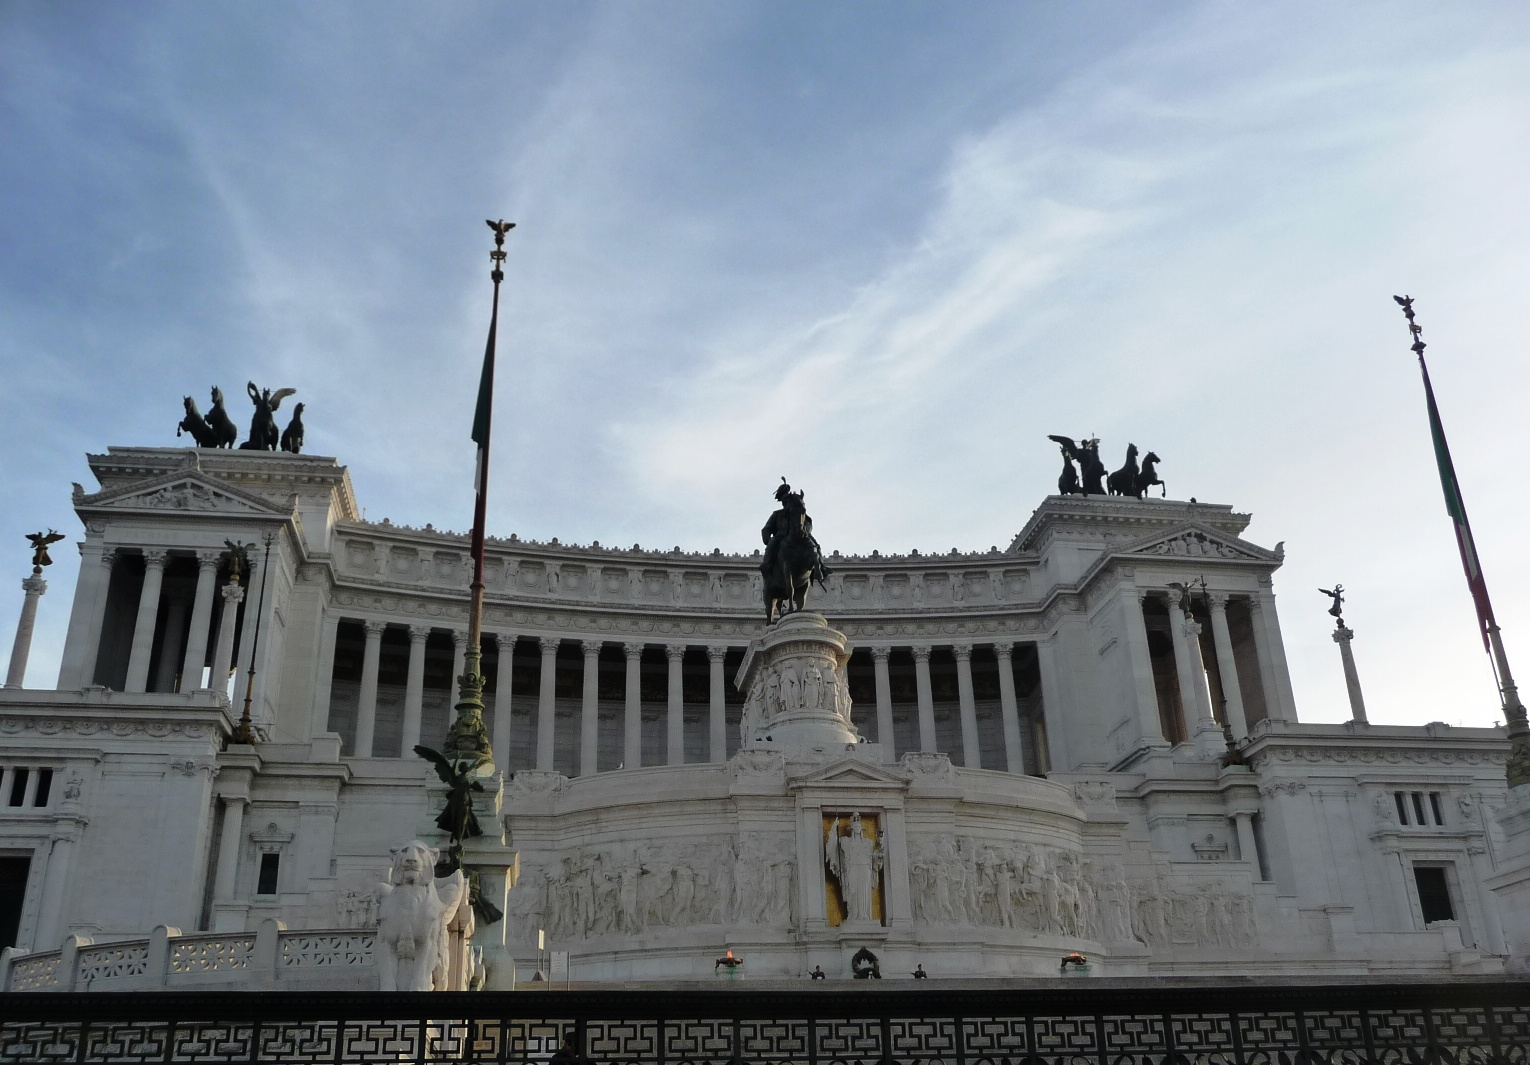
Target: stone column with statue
[(33, 587)]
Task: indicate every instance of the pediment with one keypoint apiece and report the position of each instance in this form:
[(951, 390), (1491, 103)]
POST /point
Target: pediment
[(1193, 540), (852, 772), (184, 491)]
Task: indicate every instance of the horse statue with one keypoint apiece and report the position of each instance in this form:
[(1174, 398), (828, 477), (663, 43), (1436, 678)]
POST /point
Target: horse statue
[(792, 556), (1124, 481), (1067, 481), (1091, 469), (292, 436), (224, 433), (264, 436), (1149, 475), (196, 425)]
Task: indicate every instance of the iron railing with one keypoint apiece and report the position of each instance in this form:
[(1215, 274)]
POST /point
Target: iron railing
[(1099, 1022)]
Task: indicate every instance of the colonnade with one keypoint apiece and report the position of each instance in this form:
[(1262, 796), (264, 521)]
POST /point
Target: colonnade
[(185, 620), (1190, 668), (545, 721)]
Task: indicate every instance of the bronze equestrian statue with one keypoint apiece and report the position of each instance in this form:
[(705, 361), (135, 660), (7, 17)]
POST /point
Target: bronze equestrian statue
[(1091, 469), (1149, 475), (1124, 481), (793, 559), (292, 436), (264, 436), (224, 433), (196, 425)]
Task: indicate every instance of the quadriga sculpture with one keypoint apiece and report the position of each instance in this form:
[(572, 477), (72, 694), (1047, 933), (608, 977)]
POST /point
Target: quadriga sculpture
[(413, 910)]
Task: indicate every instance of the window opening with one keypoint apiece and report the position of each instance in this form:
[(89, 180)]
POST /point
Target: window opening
[(44, 786), (1402, 807), (270, 865), (1418, 808), (1434, 806), (1433, 893), (18, 787), (13, 890)]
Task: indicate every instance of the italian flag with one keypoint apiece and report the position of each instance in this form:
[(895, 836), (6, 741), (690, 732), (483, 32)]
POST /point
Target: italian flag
[(1457, 511), (482, 413)]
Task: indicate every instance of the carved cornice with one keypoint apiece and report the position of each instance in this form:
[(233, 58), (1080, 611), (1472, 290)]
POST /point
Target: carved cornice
[(1377, 756)]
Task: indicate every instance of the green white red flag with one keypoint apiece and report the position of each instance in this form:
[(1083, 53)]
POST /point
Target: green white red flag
[(1456, 508)]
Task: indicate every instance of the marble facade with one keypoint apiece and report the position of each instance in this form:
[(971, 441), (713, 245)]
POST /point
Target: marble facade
[(1037, 737)]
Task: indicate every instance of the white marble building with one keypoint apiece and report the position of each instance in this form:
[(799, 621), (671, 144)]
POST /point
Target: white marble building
[(1038, 751)]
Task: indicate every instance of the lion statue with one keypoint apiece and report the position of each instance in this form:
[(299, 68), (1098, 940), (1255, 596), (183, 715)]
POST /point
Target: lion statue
[(414, 908)]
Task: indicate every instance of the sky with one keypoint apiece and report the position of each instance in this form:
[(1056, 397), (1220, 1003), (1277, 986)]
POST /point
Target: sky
[(881, 249)]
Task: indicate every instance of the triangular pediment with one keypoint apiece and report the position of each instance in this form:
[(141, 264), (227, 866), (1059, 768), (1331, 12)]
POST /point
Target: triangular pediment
[(852, 772), (187, 491), (1194, 540)]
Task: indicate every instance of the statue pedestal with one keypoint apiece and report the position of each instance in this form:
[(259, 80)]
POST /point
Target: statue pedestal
[(798, 699)]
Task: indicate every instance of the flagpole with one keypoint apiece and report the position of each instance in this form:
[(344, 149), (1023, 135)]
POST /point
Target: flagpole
[(1518, 769), (467, 743)]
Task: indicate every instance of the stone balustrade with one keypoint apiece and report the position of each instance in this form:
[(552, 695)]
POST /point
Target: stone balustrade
[(270, 957)]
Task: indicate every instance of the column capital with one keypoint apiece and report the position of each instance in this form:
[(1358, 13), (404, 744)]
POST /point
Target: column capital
[(717, 654), (632, 650), (962, 651), (1218, 600), (591, 648), (549, 644), (1142, 595), (209, 559), (675, 652), (34, 585), (1004, 650), (419, 633), (459, 637), (880, 653), (373, 628), (921, 654), (233, 593), (1343, 634), (155, 556)]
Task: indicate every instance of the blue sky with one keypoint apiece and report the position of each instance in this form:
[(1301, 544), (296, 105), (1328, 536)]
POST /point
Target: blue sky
[(883, 250)]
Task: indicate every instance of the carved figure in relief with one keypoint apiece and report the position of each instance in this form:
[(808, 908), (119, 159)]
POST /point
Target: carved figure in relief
[(790, 690), (855, 861), (413, 911), (772, 695), (812, 688)]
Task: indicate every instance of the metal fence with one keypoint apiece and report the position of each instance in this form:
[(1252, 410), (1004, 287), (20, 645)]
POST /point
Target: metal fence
[(1365, 1024)]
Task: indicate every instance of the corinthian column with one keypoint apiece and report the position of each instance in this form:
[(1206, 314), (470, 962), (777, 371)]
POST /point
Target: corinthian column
[(632, 730), (414, 689), (926, 699), (201, 620), (717, 730), (972, 755), (1227, 667), (143, 626), (223, 650), (78, 666), (546, 705), (33, 587), (1014, 749), (676, 731), (884, 703), (502, 695), (366, 712), (589, 711)]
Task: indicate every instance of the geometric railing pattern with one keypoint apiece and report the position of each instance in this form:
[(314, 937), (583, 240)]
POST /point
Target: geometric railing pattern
[(1468, 1022)]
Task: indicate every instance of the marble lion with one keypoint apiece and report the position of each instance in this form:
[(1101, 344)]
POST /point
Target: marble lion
[(414, 908)]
